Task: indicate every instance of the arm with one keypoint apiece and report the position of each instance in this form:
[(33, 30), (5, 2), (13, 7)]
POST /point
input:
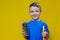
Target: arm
[(24, 35), (46, 32)]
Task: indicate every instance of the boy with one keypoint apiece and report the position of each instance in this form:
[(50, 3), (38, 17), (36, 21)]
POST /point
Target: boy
[(35, 26)]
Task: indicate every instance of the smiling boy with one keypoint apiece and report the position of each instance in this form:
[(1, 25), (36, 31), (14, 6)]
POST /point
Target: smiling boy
[(35, 26)]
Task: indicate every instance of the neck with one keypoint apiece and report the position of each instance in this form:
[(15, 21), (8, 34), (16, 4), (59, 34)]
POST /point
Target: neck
[(36, 19)]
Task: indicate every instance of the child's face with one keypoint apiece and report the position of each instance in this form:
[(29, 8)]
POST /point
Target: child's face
[(35, 12)]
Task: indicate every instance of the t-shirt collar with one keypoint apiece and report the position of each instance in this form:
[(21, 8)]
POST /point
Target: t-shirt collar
[(36, 20)]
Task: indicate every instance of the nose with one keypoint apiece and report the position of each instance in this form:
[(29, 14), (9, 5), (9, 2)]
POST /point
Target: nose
[(34, 13)]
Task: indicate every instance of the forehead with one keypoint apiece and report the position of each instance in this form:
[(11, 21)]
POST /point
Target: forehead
[(34, 8)]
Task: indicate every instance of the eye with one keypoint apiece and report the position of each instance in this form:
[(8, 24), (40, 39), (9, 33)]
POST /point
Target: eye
[(37, 11), (31, 11)]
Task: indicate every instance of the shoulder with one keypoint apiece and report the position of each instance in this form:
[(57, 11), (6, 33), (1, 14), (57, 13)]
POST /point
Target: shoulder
[(43, 22), (29, 21)]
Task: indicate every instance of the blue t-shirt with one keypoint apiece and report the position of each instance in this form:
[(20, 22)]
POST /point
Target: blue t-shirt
[(35, 29)]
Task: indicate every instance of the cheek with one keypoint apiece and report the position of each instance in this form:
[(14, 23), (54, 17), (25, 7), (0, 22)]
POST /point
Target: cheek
[(37, 12), (31, 14)]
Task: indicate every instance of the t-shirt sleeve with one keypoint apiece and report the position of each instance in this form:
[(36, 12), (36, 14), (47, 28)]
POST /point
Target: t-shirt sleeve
[(46, 28)]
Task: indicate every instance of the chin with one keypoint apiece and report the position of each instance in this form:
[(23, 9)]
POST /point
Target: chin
[(35, 18)]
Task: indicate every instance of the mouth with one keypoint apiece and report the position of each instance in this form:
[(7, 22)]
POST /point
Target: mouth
[(34, 15)]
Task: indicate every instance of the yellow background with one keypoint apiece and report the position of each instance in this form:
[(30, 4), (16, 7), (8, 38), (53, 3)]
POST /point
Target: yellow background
[(13, 12)]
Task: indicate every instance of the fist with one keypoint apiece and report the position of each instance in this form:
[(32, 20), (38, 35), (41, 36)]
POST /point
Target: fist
[(44, 34), (23, 33)]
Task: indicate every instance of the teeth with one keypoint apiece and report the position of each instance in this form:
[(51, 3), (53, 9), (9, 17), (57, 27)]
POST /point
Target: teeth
[(35, 15)]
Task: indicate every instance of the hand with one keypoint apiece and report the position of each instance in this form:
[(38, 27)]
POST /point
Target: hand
[(23, 33), (44, 34)]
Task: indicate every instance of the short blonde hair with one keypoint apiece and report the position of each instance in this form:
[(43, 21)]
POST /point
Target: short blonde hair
[(36, 4)]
